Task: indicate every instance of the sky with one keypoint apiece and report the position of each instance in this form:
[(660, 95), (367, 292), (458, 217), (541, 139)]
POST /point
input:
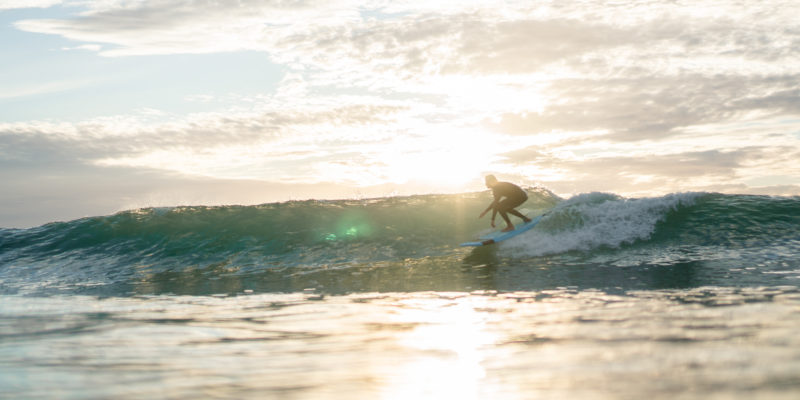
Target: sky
[(118, 104)]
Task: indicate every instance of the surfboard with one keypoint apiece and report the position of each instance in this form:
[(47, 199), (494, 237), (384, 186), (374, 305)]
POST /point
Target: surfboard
[(499, 236)]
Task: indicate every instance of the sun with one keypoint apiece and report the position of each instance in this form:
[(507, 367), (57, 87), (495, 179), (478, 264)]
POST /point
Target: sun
[(446, 159)]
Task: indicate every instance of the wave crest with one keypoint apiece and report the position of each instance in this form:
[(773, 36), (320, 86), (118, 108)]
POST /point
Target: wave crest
[(598, 220)]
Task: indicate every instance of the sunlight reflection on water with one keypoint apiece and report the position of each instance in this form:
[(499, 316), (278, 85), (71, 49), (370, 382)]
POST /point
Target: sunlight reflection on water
[(451, 338), (699, 343)]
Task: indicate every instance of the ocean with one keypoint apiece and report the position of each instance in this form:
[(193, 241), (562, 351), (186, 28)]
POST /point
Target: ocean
[(687, 295)]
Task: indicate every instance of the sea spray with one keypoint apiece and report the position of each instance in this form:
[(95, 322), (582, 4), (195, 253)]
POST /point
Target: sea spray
[(596, 220)]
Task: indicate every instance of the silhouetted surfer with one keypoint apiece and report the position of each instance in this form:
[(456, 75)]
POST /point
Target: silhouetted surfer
[(507, 196)]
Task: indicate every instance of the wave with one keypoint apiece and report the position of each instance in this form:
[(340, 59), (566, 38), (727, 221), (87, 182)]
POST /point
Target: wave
[(296, 237), (597, 220), (600, 220), (409, 224)]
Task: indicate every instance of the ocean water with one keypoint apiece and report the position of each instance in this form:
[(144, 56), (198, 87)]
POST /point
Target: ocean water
[(689, 295)]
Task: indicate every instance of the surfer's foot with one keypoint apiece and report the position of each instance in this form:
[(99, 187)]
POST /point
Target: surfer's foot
[(526, 220), (508, 228)]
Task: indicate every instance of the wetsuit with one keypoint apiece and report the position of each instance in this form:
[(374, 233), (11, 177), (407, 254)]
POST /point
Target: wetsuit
[(514, 196)]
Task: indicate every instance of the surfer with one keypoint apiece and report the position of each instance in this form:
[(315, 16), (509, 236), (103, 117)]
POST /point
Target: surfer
[(507, 196)]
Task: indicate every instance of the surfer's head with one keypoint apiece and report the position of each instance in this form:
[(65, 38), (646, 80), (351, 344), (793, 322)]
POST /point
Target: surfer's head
[(490, 181)]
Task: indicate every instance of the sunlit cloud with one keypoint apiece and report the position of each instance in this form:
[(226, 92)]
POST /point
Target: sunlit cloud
[(12, 4), (10, 90)]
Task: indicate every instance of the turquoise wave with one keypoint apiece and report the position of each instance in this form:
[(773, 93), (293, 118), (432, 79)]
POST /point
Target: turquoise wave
[(286, 246)]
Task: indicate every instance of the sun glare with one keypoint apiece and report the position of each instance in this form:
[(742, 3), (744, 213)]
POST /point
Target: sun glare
[(449, 159), (450, 347)]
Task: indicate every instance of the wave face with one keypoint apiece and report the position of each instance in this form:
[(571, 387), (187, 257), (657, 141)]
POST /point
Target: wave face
[(401, 243), (598, 221)]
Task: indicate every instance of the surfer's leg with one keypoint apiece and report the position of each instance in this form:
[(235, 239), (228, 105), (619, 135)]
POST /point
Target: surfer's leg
[(519, 214), (509, 226), (511, 203), (503, 208)]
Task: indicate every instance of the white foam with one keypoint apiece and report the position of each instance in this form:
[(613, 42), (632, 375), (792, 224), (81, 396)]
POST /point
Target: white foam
[(592, 220)]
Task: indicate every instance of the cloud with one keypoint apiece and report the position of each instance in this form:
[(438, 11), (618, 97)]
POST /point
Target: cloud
[(636, 69), (13, 91), (575, 49), (13, 4), (186, 26), (641, 108), (84, 47), (643, 174), (677, 165), (251, 144)]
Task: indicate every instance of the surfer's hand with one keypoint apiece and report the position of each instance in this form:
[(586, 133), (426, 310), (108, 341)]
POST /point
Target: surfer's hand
[(492, 223)]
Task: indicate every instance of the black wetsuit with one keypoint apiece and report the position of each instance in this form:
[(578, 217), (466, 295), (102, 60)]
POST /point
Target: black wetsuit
[(514, 196)]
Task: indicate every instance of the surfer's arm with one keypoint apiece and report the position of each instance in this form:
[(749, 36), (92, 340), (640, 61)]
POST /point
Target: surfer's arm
[(492, 206)]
